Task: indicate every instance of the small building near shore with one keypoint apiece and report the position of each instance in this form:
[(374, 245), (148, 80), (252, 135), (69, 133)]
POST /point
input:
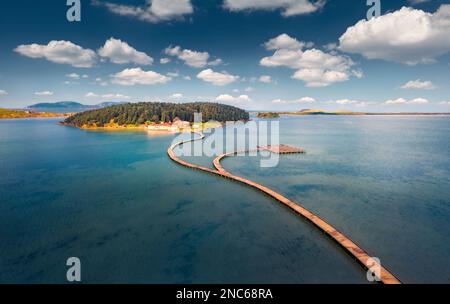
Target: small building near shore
[(175, 126), (180, 124), (165, 126)]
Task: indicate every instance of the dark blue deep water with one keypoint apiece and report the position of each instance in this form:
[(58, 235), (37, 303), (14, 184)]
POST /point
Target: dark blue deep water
[(117, 202)]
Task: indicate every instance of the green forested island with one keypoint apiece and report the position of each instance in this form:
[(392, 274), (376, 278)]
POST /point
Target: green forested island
[(152, 112)]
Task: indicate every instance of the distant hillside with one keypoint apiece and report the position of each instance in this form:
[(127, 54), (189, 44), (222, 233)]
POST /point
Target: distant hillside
[(268, 115), (61, 104), (323, 112), (306, 112), (69, 106), (109, 103), (11, 114), (144, 112)]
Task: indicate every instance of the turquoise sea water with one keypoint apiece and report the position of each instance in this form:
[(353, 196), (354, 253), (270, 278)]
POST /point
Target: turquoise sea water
[(131, 215), (383, 180)]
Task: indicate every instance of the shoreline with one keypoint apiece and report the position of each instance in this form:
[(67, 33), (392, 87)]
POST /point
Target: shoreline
[(33, 116), (141, 128), (30, 117)]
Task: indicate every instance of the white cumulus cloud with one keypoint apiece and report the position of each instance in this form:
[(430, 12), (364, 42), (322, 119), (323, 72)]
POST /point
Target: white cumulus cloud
[(288, 7), (315, 67), (107, 96), (320, 77), (419, 84), (44, 93), (305, 99), (121, 52), (73, 76), (403, 101), (164, 60), (283, 41), (265, 79), (154, 11), (3, 92), (408, 36), (217, 78), (215, 62), (115, 96), (130, 77), (346, 101), (177, 96), (62, 52), (191, 58), (419, 101), (173, 74), (231, 99), (417, 1)]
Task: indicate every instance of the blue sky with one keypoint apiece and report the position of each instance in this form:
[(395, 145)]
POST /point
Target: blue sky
[(256, 54)]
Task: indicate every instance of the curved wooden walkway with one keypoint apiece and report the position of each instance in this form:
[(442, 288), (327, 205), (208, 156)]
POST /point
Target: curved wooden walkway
[(354, 250)]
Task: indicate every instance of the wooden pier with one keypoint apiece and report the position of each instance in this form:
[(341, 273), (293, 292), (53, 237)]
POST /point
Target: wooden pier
[(346, 243), (283, 149)]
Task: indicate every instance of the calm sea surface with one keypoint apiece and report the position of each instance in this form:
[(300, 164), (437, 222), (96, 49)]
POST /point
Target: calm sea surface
[(118, 203)]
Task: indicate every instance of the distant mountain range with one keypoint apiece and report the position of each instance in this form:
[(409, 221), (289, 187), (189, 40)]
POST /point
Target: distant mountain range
[(69, 106)]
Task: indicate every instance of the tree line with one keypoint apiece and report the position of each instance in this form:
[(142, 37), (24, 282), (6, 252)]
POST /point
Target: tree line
[(155, 112)]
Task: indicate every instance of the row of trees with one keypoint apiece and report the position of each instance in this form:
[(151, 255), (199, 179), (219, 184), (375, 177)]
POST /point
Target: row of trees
[(141, 113)]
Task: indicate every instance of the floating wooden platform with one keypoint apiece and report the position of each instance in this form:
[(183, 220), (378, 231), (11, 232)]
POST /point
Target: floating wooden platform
[(283, 149), (351, 248)]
